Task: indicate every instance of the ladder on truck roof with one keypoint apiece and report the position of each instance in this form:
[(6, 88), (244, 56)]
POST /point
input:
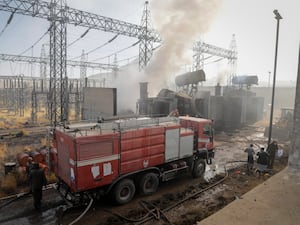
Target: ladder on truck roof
[(85, 129)]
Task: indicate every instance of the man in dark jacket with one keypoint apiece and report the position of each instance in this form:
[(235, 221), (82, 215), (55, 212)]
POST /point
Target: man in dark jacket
[(262, 161), (271, 150), (37, 180)]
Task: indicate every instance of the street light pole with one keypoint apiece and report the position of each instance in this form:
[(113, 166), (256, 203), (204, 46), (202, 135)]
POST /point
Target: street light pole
[(278, 18)]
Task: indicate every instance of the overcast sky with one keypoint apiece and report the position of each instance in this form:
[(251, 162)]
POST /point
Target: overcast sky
[(252, 22)]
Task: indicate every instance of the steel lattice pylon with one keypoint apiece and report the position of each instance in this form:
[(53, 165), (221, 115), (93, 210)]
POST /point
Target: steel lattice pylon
[(200, 48), (146, 42), (43, 63), (82, 66), (232, 60), (58, 92)]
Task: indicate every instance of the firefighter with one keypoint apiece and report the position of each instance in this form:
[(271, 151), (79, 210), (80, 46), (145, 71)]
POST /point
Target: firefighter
[(37, 180), (29, 166), (250, 160), (271, 150)]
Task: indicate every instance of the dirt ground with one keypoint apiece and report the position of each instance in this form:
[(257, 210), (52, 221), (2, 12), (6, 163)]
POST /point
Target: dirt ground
[(275, 202), (229, 147)]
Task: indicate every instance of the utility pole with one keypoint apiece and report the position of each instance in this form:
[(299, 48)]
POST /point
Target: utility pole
[(278, 18)]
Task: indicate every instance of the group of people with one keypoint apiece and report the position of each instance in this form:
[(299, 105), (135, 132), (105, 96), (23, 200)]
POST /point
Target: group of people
[(37, 180), (265, 159)]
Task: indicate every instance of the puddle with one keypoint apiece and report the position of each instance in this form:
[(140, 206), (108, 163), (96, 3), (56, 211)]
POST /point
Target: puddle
[(47, 217)]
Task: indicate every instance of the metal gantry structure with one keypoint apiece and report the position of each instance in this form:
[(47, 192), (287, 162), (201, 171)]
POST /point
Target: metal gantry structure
[(43, 61), (200, 49), (146, 41), (59, 15), (12, 93)]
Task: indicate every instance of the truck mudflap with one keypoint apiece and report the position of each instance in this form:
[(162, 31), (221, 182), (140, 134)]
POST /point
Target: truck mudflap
[(210, 156)]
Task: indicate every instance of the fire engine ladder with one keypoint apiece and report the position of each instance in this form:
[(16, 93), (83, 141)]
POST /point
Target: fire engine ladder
[(145, 122), (85, 129)]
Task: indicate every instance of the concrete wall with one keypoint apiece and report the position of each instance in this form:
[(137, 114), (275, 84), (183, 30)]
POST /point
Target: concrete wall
[(294, 154), (284, 97), (99, 102)]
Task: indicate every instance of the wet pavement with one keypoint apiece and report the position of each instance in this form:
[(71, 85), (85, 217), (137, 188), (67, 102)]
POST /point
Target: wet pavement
[(21, 210)]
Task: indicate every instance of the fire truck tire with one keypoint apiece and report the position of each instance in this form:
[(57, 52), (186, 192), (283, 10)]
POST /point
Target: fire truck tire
[(148, 183), (199, 168), (124, 191)]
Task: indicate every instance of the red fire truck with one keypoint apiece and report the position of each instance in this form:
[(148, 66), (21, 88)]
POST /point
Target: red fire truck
[(124, 156)]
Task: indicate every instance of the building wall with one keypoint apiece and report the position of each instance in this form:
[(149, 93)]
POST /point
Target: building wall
[(99, 102), (294, 154), (284, 97)]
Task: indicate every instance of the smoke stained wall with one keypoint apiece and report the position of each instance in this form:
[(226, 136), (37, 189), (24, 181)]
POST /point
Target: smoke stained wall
[(180, 23)]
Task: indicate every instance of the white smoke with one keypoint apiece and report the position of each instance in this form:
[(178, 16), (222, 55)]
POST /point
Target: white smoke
[(222, 76), (127, 84), (180, 23)]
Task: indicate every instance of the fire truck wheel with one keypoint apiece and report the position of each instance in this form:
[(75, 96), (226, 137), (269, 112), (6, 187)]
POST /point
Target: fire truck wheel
[(199, 168), (148, 183), (124, 191)]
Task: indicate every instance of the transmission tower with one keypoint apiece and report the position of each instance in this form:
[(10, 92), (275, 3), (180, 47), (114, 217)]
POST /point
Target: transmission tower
[(115, 70), (43, 63), (82, 66), (200, 49), (232, 62), (146, 42), (198, 56), (58, 96)]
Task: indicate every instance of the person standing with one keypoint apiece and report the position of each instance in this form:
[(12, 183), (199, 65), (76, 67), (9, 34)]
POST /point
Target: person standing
[(250, 160), (37, 180), (28, 170), (262, 161), (271, 150), (29, 166)]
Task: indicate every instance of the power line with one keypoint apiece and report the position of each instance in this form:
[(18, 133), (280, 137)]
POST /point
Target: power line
[(81, 36), (95, 49), (8, 22), (127, 59), (134, 44), (136, 56), (109, 41), (26, 50), (217, 60)]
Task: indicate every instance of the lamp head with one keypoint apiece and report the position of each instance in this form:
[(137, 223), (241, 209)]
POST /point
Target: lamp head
[(277, 15)]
